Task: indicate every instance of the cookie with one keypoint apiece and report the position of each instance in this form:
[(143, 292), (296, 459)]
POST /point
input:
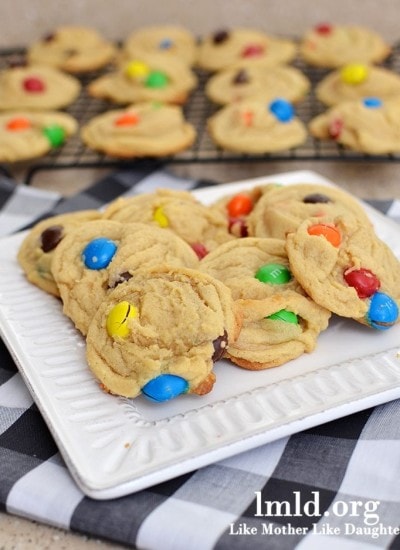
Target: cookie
[(332, 46), (282, 208), (74, 49), (232, 47), (148, 78), (357, 81), (171, 41), (256, 127), (160, 334), (280, 322), (37, 87), (345, 267), (257, 82), (368, 125), (141, 130), (25, 135), (103, 253), (35, 255), (175, 212)]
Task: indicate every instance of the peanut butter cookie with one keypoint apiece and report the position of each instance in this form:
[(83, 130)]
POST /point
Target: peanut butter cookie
[(346, 268), (160, 334), (142, 130), (280, 322)]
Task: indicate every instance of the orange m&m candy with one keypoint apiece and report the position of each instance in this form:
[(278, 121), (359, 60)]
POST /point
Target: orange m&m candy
[(330, 232), (18, 123), (127, 119), (239, 205)]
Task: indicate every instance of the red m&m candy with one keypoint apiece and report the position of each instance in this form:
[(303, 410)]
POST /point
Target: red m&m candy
[(34, 85), (200, 250), (237, 227), (335, 128), (323, 28), (253, 50), (363, 281)]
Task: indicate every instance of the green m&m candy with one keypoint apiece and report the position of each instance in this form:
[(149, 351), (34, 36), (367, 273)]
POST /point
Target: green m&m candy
[(274, 274), (285, 316), (55, 134), (156, 79)]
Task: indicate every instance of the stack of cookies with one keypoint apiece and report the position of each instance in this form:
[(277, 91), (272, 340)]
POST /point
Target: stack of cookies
[(162, 286)]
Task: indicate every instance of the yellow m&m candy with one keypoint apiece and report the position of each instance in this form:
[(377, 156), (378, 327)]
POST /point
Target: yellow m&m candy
[(354, 74), (117, 319), (160, 217), (137, 70)]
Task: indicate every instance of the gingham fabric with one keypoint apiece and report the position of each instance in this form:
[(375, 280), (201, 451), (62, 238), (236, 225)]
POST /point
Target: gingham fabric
[(339, 482)]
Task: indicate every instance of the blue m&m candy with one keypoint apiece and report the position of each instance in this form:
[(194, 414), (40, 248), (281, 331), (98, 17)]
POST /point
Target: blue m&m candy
[(282, 110), (383, 311), (372, 102), (165, 44), (98, 253), (165, 387)]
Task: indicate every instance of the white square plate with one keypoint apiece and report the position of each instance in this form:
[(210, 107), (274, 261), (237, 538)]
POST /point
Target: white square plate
[(114, 446)]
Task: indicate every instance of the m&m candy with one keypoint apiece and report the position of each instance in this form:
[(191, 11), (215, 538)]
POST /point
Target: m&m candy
[(253, 50), (160, 218), (330, 232), (372, 102), (239, 205), (354, 74), (285, 316), (117, 320), (383, 311), (282, 110), (363, 281), (275, 274), (18, 123), (33, 84), (55, 134), (165, 387), (98, 253), (137, 70), (156, 79), (127, 119)]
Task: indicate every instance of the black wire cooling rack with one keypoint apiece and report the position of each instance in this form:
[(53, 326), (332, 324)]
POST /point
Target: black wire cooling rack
[(74, 154)]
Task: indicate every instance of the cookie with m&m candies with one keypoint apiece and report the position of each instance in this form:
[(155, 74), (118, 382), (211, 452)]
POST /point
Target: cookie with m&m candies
[(169, 41), (100, 255), (343, 265), (148, 129), (255, 126), (367, 125), (176, 211), (331, 46), (280, 322), (240, 46), (146, 78), (37, 87), (357, 80), (26, 135), (282, 208), (36, 253), (161, 332)]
